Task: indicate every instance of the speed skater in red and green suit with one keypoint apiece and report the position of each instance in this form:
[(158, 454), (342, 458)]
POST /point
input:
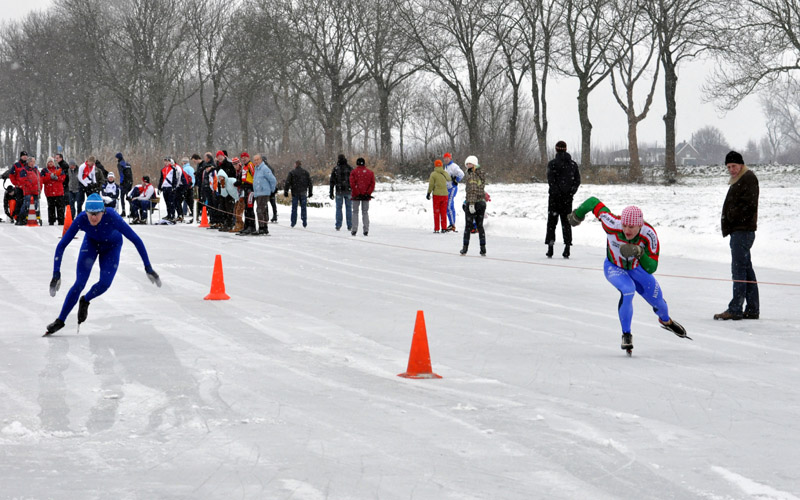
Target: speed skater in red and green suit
[(632, 249)]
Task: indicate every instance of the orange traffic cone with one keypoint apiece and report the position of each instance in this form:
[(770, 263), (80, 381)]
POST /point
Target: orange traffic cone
[(67, 220), (32, 214), (419, 360), (217, 282), (204, 218)]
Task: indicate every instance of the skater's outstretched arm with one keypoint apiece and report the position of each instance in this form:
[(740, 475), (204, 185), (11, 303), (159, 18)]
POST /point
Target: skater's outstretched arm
[(126, 230)]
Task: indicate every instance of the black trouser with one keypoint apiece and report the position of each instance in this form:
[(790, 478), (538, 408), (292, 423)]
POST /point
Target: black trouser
[(477, 220), (226, 204), (249, 208), (125, 189), (566, 230), (274, 206), (55, 210)]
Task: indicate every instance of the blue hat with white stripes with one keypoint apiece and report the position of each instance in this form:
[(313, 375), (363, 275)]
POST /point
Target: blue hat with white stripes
[(94, 203)]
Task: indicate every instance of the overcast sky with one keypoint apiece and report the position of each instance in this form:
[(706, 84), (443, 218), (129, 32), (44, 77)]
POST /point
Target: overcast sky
[(609, 128)]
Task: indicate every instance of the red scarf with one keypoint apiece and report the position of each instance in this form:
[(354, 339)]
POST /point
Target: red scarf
[(86, 171)]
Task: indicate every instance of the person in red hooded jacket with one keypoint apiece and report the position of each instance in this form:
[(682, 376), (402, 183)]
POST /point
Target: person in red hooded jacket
[(29, 180), (53, 180), (362, 184)]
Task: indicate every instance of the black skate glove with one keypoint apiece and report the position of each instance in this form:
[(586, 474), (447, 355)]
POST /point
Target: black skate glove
[(629, 250), (153, 276), (55, 284), (574, 220), (428, 196), (331, 195)]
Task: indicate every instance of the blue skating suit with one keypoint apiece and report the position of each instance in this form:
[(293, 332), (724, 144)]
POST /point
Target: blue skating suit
[(104, 241)]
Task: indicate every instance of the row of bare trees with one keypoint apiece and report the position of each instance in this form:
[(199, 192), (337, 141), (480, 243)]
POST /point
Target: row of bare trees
[(402, 79)]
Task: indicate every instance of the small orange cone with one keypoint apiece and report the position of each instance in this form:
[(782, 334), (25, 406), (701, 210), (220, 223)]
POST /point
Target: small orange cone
[(32, 214), (217, 282), (204, 218), (419, 360), (67, 220)]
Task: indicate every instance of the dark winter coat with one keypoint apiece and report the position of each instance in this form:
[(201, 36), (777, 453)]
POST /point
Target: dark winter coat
[(340, 178), (740, 210), (228, 167), (362, 183), (64, 166), (299, 182), (564, 178), (125, 173)]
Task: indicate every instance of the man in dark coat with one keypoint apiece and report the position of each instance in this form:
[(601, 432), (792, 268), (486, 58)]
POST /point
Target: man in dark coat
[(299, 182), (340, 190), (739, 220), (125, 179), (564, 178)]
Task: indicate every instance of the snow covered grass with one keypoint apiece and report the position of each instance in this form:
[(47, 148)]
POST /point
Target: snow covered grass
[(289, 390)]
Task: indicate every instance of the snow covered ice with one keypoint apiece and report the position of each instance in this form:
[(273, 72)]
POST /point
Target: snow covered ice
[(290, 389)]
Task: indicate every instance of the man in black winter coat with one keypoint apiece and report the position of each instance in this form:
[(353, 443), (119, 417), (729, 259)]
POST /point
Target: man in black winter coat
[(125, 179), (299, 182), (340, 186), (564, 178)]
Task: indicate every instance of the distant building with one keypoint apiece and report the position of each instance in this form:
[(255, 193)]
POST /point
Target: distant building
[(686, 155)]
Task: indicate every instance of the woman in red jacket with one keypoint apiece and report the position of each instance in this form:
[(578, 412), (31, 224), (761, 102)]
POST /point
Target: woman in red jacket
[(53, 180), (31, 184)]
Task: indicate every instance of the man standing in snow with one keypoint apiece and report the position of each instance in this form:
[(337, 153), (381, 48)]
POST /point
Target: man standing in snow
[(739, 220), (299, 182), (340, 190), (264, 183), (563, 178), (104, 230), (456, 174), (125, 179), (362, 184)]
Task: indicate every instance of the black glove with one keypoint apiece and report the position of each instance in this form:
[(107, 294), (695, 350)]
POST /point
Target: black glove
[(629, 250), (455, 182), (428, 196), (310, 195), (237, 184), (55, 284), (573, 219), (331, 195), (153, 276)]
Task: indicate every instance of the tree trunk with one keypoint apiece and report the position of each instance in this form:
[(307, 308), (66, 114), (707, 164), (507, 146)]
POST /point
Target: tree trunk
[(670, 86), (586, 125), (385, 123), (635, 171), (513, 121)]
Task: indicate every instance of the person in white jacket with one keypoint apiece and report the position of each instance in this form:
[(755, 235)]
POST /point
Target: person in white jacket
[(456, 174), (87, 176), (139, 198)]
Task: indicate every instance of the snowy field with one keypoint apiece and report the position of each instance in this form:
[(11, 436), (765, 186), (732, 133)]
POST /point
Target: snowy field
[(290, 391)]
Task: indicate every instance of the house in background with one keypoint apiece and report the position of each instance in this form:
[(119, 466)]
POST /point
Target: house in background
[(686, 155)]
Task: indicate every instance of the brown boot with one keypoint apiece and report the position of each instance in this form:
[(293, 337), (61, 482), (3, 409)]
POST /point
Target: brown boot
[(239, 214)]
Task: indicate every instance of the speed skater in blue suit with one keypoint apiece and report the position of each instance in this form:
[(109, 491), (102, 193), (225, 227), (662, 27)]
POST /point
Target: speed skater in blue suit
[(104, 230)]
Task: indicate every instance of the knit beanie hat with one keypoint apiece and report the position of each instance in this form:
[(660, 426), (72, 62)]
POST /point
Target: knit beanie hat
[(473, 160), (734, 157), (360, 162), (94, 203), (220, 153), (437, 163), (245, 153), (447, 156), (561, 146), (632, 216)]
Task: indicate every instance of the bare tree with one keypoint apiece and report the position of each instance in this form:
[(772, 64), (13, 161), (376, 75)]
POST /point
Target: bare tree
[(515, 67), (683, 28), (759, 42), (634, 49), (388, 53), (710, 142), (539, 24), (327, 68), (211, 24), (590, 28), (782, 110), (455, 40)]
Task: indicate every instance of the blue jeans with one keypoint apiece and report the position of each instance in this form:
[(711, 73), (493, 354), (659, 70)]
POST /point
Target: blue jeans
[(629, 281), (75, 203), (742, 270), (344, 199), (303, 200), (26, 202)]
